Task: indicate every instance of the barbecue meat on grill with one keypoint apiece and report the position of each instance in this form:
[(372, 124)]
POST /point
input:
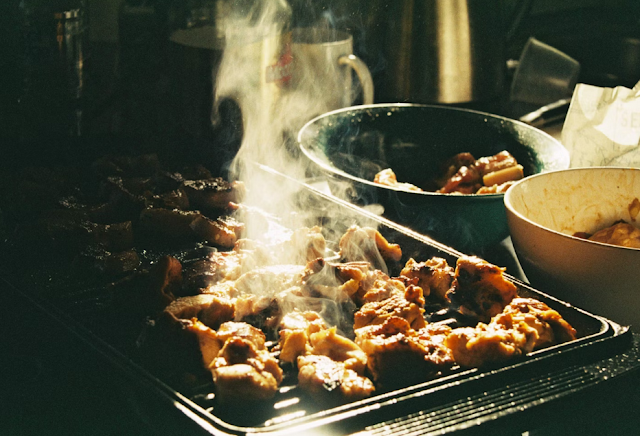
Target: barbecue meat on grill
[(395, 305), (241, 366), (339, 348), (295, 329), (434, 276), (329, 365), (525, 325), (334, 364), (211, 309), (394, 344), (325, 378), (479, 288), (213, 193), (186, 226)]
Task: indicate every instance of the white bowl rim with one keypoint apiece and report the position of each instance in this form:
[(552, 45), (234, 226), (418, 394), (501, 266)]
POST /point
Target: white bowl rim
[(509, 207)]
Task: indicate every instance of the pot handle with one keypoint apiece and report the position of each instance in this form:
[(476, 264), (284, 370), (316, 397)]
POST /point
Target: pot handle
[(364, 75)]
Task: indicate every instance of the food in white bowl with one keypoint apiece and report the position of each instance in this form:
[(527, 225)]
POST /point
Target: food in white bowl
[(547, 213)]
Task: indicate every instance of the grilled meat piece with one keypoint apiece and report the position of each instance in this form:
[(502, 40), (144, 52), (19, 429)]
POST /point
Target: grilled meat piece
[(218, 266), (244, 369), (165, 280), (208, 340), (327, 342), (621, 233), (551, 328), (181, 226), (434, 276), (333, 367), (174, 199), (214, 193), (211, 309), (119, 203), (294, 331), (326, 379), (466, 181), (496, 189), (168, 224), (262, 291), (497, 162), (377, 312), (479, 288), (329, 365), (398, 354), (388, 178), (221, 232), (337, 281), (524, 325)]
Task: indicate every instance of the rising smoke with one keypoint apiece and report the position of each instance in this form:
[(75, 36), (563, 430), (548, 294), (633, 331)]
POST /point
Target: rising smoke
[(277, 93)]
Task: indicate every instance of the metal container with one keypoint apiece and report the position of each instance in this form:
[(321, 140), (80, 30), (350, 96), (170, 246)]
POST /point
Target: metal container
[(46, 70), (439, 51)]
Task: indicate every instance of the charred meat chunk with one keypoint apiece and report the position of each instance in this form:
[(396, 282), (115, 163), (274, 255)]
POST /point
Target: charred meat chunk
[(165, 279), (210, 309), (219, 266), (221, 232), (479, 288), (434, 276), (466, 175), (525, 325), (168, 224), (181, 226), (243, 368), (213, 193), (330, 380), (333, 367), (421, 353), (294, 332), (67, 231), (377, 312)]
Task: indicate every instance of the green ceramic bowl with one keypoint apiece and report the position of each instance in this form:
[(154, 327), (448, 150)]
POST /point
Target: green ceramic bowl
[(351, 145)]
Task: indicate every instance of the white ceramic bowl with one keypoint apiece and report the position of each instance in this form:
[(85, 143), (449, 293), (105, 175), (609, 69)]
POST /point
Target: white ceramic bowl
[(545, 210)]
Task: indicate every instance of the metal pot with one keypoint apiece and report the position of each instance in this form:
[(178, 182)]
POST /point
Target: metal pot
[(439, 51)]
